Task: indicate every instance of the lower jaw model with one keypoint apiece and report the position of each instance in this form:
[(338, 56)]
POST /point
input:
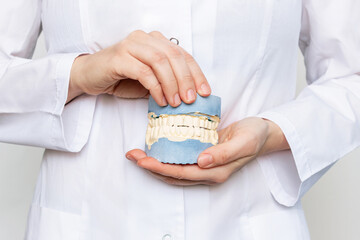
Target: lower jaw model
[(179, 135)]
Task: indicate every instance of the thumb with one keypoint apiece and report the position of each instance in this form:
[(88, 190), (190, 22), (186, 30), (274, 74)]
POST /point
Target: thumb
[(223, 153)]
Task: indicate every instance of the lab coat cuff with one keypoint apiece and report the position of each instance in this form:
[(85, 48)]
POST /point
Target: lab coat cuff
[(297, 160), (62, 78), (295, 142), (71, 124)]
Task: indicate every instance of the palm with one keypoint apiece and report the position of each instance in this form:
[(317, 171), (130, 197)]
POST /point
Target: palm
[(239, 143), (250, 133), (128, 88)]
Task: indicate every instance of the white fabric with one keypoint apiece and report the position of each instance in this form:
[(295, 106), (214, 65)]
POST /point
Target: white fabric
[(247, 50), (323, 123)]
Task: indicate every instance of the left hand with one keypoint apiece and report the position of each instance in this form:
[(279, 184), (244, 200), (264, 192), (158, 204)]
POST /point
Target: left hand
[(239, 143)]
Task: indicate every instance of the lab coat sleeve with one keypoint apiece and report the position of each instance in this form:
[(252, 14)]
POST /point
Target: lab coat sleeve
[(323, 123), (33, 92)]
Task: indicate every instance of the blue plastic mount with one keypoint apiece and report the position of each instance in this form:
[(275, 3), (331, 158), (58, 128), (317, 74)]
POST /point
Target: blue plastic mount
[(185, 152)]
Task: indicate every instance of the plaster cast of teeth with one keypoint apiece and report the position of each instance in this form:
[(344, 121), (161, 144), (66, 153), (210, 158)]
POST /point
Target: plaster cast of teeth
[(181, 127), (179, 135)]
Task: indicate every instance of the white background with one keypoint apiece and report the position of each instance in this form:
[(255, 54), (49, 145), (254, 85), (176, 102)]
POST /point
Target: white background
[(332, 206)]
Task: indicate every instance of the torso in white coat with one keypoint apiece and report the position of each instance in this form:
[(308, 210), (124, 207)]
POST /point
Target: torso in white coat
[(248, 52)]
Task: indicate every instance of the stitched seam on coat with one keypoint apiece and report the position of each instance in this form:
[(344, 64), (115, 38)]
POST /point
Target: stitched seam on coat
[(262, 53)]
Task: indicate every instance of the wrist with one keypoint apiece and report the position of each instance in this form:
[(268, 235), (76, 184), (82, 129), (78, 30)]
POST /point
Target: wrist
[(75, 89), (276, 140)]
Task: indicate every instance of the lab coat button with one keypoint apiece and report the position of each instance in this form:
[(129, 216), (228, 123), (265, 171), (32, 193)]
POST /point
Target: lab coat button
[(166, 237)]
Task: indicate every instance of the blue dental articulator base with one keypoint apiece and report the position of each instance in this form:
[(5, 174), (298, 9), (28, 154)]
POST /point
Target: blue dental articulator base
[(184, 152)]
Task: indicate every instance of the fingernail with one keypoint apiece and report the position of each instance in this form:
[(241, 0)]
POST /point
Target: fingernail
[(205, 89), (190, 95), (205, 160), (130, 157), (177, 100), (164, 102)]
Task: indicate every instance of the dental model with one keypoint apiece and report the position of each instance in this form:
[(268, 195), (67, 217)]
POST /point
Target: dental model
[(178, 135)]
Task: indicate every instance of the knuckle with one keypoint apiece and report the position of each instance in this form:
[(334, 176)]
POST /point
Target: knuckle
[(188, 78), (155, 88), (221, 178), (179, 174), (145, 71), (124, 44), (156, 33), (158, 58), (223, 158), (136, 33), (170, 82), (189, 59), (174, 51)]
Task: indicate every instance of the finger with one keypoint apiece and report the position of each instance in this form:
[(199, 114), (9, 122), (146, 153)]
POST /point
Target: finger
[(179, 65), (214, 175), (178, 182), (201, 83), (135, 69), (158, 62), (187, 172), (224, 153), (148, 50), (135, 154)]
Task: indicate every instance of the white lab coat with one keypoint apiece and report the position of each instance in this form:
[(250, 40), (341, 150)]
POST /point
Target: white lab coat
[(88, 190)]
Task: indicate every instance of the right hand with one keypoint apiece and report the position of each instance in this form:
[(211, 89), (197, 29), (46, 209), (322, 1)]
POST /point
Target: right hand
[(140, 64)]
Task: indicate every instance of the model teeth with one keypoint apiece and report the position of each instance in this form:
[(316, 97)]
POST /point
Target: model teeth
[(181, 127)]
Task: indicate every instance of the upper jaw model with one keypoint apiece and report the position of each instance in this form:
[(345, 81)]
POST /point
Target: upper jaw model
[(178, 135)]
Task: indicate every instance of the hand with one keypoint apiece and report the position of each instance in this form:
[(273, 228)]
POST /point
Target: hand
[(140, 64), (239, 143)]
